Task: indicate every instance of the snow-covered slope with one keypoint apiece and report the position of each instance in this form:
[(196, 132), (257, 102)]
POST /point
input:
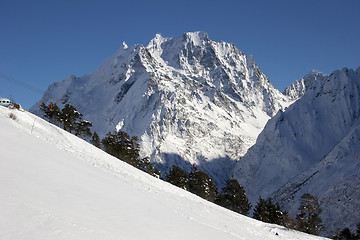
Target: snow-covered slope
[(188, 99), (312, 147), (56, 186)]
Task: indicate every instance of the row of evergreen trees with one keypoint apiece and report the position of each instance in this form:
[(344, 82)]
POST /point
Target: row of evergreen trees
[(68, 118), (233, 197), (118, 144), (127, 149)]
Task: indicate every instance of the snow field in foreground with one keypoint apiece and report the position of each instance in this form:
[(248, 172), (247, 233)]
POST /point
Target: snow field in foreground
[(56, 186)]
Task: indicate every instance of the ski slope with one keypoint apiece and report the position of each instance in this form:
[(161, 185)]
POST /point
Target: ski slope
[(56, 186)]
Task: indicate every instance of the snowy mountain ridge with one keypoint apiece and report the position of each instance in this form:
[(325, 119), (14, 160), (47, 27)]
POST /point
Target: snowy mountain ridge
[(298, 88), (189, 100), (57, 186), (311, 147)]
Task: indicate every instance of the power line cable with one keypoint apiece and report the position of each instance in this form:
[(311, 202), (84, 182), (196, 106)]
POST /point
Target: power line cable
[(25, 85), (34, 89)]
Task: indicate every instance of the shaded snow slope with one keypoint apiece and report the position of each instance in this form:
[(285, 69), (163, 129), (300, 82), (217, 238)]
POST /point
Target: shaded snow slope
[(56, 186), (189, 100), (312, 147), (335, 180)]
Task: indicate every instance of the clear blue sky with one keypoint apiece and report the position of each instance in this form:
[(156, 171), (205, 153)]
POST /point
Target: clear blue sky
[(43, 41)]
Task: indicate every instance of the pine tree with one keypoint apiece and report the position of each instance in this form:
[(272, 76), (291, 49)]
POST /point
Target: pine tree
[(202, 185), (233, 197), (69, 116), (51, 112), (178, 177), (82, 128), (267, 211), (43, 108), (121, 146), (346, 234), (308, 220), (134, 147), (288, 221), (276, 215), (145, 165), (95, 140), (260, 211)]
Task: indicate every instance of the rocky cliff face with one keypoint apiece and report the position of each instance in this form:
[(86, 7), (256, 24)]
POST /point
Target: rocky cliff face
[(312, 147), (189, 100)]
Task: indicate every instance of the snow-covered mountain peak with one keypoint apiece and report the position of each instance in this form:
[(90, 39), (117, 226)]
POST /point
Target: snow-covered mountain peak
[(312, 78), (124, 45), (197, 38), (189, 99), (313, 73), (154, 45), (299, 87)]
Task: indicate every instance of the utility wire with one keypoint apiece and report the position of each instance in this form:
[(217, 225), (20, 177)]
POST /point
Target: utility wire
[(25, 85), (34, 89)]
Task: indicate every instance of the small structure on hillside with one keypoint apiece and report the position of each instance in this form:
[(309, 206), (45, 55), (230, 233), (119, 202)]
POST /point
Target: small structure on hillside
[(5, 102)]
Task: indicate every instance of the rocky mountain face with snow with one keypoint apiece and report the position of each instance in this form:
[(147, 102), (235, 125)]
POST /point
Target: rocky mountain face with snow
[(189, 100), (298, 88), (311, 147)]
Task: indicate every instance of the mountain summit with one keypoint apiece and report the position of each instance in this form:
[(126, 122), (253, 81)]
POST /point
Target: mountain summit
[(189, 100)]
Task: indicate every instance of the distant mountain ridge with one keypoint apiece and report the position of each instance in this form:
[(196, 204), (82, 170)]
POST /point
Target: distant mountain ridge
[(189, 100), (311, 147)]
